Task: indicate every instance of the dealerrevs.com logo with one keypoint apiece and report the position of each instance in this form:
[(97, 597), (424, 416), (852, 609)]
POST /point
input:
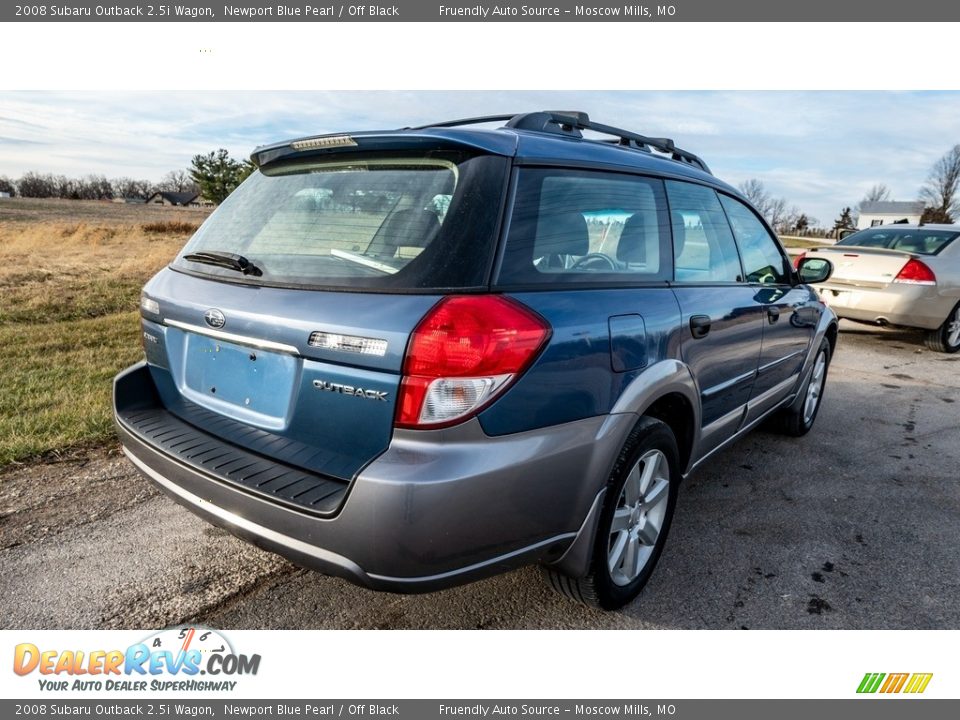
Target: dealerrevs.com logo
[(179, 659), (889, 683)]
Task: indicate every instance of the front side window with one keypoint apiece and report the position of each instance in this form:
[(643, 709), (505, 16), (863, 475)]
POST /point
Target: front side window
[(402, 223), (571, 226), (703, 248), (762, 260)]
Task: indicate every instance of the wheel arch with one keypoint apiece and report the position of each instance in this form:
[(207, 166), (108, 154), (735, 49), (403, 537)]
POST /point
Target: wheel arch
[(667, 392)]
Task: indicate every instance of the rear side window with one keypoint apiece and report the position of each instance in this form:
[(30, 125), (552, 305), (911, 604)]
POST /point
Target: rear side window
[(762, 260), (703, 247), (916, 240), (386, 223), (571, 226)]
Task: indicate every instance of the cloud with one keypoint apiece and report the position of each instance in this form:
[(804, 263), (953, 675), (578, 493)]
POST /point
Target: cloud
[(820, 150)]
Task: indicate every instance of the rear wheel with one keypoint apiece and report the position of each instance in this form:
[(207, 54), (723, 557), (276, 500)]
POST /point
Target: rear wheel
[(797, 419), (638, 507), (946, 338)]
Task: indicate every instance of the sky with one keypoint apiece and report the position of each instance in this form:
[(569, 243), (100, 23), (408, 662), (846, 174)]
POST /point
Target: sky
[(819, 150)]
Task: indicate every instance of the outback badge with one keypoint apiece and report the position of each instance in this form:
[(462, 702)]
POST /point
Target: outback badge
[(350, 390)]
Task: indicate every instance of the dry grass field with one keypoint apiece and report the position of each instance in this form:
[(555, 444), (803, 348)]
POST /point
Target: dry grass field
[(70, 279)]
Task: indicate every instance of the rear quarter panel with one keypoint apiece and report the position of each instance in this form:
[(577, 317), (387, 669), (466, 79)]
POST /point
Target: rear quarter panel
[(573, 378)]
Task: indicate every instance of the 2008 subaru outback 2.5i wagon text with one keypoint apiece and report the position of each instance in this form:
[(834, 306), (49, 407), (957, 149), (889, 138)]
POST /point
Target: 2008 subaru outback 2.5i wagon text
[(420, 357)]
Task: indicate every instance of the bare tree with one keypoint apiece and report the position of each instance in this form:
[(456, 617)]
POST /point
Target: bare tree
[(754, 191), (125, 187), (773, 209), (178, 181), (7, 186), (878, 193), (942, 189), (35, 185)]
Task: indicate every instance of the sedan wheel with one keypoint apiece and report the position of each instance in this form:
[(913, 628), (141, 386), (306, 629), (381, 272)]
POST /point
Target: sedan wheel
[(946, 338)]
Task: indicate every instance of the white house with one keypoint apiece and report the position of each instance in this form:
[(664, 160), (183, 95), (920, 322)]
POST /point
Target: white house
[(889, 212)]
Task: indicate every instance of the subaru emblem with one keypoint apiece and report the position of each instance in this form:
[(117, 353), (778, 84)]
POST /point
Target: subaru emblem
[(214, 318)]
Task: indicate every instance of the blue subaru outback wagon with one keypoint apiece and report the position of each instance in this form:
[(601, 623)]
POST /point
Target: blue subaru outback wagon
[(420, 357)]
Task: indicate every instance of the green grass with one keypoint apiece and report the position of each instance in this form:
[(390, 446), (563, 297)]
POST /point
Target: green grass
[(69, 299), (802, 243), (56, 382)]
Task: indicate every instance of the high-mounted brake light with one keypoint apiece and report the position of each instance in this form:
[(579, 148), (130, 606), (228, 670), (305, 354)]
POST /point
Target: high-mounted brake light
[(464, 353), (331, 141), (916, 273)]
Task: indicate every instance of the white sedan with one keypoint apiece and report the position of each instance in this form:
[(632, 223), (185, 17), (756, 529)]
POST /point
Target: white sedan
[(905, 275)]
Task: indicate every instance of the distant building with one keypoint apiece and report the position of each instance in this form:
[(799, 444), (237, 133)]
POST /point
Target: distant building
[(4, 194), (889, 212), (178, 199)]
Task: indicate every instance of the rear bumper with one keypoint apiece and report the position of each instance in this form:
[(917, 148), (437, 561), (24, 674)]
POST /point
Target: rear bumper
[(919, 306), (436, 509)]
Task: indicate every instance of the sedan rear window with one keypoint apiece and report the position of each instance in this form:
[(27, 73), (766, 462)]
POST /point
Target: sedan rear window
[(403, 223), (912, 240)]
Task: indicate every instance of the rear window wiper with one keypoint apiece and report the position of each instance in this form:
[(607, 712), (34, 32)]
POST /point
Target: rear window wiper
[(232, 261)]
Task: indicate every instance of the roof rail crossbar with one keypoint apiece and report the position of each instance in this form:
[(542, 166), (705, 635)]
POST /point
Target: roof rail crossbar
[(465, 121), (571, 123)]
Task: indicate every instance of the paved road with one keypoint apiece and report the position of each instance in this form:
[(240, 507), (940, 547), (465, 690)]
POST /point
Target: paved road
[(855, 526)]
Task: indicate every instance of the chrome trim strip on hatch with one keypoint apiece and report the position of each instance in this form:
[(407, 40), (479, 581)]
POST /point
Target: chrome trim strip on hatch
[(230, 337)]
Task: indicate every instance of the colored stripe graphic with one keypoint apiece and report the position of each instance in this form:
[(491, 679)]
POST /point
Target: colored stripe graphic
[(894, 683), (918, 682), (870, 682)]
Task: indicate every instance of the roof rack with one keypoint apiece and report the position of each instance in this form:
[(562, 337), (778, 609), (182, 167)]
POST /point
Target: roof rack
[(571, 123)]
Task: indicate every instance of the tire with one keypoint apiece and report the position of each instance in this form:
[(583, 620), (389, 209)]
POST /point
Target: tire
[(946, 338), (641, 496), (798, 419)]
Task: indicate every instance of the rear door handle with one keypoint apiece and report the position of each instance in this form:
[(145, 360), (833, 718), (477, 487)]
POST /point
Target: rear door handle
[(700, 325), (773, 314)]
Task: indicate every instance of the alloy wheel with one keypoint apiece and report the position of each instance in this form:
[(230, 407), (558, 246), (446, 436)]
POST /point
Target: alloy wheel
[(814, 388), (638, 518)]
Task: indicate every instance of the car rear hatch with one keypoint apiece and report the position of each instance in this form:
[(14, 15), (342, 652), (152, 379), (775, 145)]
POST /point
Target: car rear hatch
[(281, 327), (862, 267)]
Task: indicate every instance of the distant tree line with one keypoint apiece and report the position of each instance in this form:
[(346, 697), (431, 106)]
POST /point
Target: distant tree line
[(214, 175), (94, 187)]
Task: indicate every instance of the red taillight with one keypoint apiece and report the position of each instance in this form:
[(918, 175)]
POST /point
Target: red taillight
[(916, 273), (462, 354), (797, 259)]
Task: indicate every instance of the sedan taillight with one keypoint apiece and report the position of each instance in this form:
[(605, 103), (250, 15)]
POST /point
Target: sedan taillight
[(915, 273)]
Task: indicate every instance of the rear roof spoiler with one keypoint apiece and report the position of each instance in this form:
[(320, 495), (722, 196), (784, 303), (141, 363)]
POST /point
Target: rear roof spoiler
[(446, 134)]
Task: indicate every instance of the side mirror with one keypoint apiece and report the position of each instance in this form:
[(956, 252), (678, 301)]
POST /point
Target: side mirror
[(814, 270)]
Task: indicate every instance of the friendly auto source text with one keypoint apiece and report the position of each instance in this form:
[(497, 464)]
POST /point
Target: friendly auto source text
[(482, 11)]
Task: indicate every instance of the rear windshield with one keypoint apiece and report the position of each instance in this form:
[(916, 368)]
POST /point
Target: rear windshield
[(390, 223), (912, 240)]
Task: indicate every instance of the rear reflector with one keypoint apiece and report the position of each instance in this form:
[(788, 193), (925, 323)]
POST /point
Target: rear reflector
[(149, 305), (464, 353), (916, 273)]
